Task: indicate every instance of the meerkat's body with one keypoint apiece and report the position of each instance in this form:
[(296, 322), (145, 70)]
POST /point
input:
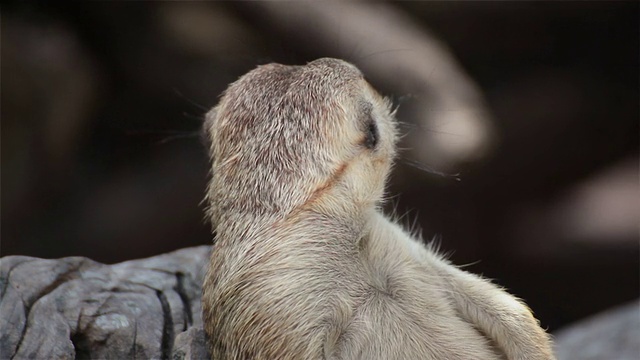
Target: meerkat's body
[(305, 266)]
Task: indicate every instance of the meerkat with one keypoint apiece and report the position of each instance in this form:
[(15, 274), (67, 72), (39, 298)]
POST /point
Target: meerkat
[(305, 265)]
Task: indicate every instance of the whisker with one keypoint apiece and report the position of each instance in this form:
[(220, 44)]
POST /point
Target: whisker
[(423, 128), (173, 134), (201, 107), (177, 137), (200, 118), (154, 132), (431, 170)]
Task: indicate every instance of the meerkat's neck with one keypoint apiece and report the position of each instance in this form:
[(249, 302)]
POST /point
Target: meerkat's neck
[(298, 226)]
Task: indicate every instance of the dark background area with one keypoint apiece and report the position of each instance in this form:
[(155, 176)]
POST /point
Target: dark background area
[(102, 105)]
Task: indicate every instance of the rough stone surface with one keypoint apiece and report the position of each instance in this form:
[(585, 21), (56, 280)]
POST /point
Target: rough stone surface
[(76, 308), (191, 344), (612, 335)]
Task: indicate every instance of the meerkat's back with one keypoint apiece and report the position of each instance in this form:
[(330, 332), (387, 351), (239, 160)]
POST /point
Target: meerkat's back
[(305, 266)]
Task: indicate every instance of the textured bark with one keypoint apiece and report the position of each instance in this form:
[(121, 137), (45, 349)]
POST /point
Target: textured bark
[(77, 308)]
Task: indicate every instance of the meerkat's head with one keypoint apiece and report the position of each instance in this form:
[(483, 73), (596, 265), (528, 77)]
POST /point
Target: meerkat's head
[(287, 138)]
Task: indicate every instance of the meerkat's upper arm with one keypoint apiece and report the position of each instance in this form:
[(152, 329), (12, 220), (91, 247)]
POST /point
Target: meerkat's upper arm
[(506, 321)]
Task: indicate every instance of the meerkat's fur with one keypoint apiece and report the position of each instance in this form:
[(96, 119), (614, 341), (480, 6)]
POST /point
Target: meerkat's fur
[(305, 265)]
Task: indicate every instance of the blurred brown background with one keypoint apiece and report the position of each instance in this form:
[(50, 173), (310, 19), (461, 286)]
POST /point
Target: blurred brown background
[(102, 104)]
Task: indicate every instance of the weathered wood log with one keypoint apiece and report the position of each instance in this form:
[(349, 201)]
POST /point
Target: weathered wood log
[(77, 308), (150, 309)]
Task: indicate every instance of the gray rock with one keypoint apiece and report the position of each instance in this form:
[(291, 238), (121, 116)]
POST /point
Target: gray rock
[(75, 308), (191, 344), (612, 335)]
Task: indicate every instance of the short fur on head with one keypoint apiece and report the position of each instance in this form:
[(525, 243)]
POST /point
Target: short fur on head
[(282, 135), (304, 265)]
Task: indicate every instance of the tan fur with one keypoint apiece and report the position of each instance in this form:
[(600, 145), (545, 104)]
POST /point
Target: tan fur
[(304, 265)]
